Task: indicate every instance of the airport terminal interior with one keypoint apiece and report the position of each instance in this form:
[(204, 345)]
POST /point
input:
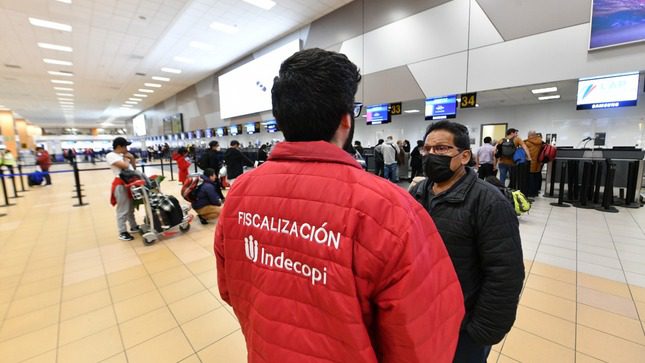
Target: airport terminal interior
[(165, 74)]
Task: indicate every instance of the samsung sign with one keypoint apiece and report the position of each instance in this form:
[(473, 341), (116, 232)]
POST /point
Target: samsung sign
[(607, 91)]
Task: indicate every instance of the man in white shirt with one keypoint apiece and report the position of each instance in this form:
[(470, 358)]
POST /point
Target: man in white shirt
[(120, 159), (389, 149), (486, 159)]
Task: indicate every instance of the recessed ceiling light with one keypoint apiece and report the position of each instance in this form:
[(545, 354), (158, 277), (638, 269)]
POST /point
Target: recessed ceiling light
[(65, 99), (62, 48), (145, 90), (171, 70), (50, 24), (184, 60), (63, 89), (411, 111), (65, 94), (66, 102), (59, 81), (264, 4), (65, 1), (131, 102), (544, 90), (544, 98), (58, 62), (140, 95), (126, 106), (64, 74), (162, 79), (224, 28), (202, 46), (134, 99), (153, 85)]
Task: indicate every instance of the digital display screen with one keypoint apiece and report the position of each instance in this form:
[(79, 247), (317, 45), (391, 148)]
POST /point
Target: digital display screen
[(271, 126), (234, 130), (438, 108), (221, 131), (198, 134), (208, 133), (607, 92), (378, 114), (252, 128)]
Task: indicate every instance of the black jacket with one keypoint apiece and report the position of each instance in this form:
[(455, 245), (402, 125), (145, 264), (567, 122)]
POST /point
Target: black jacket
[(481, 232), (211, 159), (235, 161), (415, 158)]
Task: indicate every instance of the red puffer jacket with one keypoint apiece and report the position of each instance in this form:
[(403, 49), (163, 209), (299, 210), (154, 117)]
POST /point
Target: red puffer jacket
[(323, 262)]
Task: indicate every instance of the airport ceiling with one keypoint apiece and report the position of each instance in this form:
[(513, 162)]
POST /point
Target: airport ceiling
[(90, 68)]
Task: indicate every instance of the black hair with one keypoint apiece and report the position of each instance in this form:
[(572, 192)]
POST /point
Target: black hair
[(312, 92), (234, 142), (213, 144), (356, 142), (208, 172), (459, 132), (487, 140), (182, 151), (510, 131), (380, 141), (420, 143)]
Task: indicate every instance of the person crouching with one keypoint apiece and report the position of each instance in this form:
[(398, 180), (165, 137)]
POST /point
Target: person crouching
[(208, 203)]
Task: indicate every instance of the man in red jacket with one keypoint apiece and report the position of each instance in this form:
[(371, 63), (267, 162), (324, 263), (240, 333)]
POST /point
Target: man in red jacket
[(321, 260)]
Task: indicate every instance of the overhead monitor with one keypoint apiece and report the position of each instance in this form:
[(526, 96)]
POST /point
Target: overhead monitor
[(247, 88), (607, 91), (208, 133), (378, 114), (199, 134), (616, 22), (234, 130), (252, 128), (139, 125), (221, 131), (271, 126), (439, 108)]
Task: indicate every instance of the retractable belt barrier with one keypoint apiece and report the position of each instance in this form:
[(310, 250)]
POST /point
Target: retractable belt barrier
[(560, 202)]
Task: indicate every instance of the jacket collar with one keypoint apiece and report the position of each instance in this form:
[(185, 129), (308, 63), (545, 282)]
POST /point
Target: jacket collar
[(312, 151), (457, 193)]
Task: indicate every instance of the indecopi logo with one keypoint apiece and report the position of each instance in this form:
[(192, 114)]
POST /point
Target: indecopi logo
[(251, 248)]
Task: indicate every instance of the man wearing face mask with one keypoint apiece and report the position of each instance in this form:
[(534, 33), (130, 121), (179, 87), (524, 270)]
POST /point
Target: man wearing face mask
[(314, 268), (480, 230)]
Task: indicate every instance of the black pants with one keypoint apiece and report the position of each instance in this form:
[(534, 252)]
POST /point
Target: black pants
[(416, 171), (380, 168), (535, 184), (48, 178), (468, 351), (485, 170)]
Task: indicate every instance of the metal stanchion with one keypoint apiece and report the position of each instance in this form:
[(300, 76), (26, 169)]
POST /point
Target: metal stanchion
[(143, 168), (571, 170), (22, 183), (172, 175), (560, 202), (596, 193), (161, 161), (77, 180), (587, 184), (632, 176), (4, 190), (608, 194), (13, 184)]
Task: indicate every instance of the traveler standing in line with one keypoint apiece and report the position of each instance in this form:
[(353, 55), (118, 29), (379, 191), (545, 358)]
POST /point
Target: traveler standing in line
[(390, 151), (505, 149), (235, 161), (415, 160), (534, 144), (313, 267), (211, 158), (480, 230), (182, 163), (120, 159), (262, 154), (359, 148), (209, 197), (43, 160), (378, 159), (486, 159)]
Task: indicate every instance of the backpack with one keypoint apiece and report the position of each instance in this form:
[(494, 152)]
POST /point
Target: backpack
[(190, 187), (507, 148), (521, 204), (519, 156), (548, 153), (202, 162)]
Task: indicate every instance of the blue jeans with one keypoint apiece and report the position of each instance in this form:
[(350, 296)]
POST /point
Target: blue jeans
[(504, 171), (468, 351), (392, 173)]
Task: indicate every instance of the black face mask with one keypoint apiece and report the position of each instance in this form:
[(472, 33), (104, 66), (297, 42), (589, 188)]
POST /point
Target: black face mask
[(437, 167), (348, 143)]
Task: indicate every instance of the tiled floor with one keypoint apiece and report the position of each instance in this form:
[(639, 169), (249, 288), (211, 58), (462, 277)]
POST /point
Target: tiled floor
[(70, 291)]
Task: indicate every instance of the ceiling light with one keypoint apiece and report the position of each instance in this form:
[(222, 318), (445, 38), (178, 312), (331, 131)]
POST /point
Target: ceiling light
[(59, 81), (184, 60), (126, 106), (65, 99), (63, 89), (200, 45), (134, 99), (224, 28), (64, 74), (153, 85), (50, 25), (65, 94), (58, 62), (140, 95), (544, 98), (476, 104), (171, 70), (66, 102), (131, 102), (65, 1), (162, 79), (62, 48), (544, 90), (264, 4), (145, 90), (411, 111)]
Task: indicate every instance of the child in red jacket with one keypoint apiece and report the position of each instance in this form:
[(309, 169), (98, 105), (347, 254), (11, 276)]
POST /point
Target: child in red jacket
[(182, 163)]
